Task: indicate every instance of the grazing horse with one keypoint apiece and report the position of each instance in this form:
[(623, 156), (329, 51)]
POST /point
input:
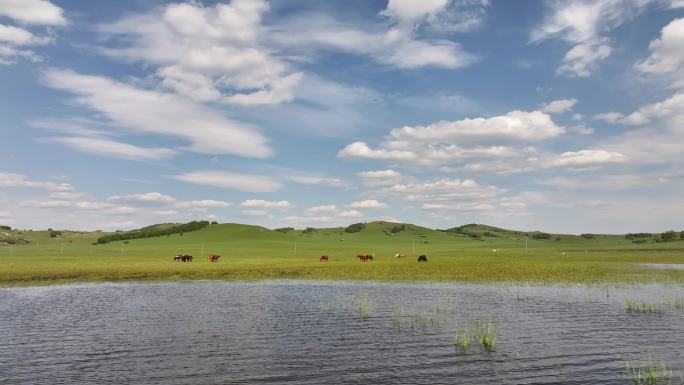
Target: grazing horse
[(213, 257), (364, 257), (422, 258), (324, 258), (399, 256), (183, 258)]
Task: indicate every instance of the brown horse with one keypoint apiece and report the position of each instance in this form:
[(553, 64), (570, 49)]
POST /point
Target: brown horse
[(213, 258), (324, 258), (399, 256), (364, 257)]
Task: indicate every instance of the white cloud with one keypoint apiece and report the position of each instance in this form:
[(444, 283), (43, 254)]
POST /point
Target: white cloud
[(584, 158), (397, 45), (37, 12), (581, 60), (322, 209), (202, 204), (583, 24), (581, 129), (367, 204), (658, 140), (315, 180), (230, 180), (19, 36), (208, 53), (380, 177), (350, 214), (114, 149), (515, 126), (558, 106), (574, 160), (361, 150), (608, 117), (445, 142), (19, 180), (442, 190), (668, 108), (267, 204), (153, 112), (152, 198), (667, 55)]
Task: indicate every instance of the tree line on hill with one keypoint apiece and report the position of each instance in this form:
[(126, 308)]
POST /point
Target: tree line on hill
[(152, 231), (668, 236)]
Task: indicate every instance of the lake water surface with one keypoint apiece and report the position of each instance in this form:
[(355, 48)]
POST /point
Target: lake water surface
[(312, 333)]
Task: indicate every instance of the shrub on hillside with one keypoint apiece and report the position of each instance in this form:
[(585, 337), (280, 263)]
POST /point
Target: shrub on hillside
[(540, 235), (152, 231), (5, 228), (284, 229), (355, 228), (309, 230), (587, 236)]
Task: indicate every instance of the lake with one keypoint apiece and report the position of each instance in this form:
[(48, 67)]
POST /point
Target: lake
[(290, 332)]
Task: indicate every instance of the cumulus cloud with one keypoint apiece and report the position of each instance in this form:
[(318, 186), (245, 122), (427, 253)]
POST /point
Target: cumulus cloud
[(36, 12), (667, 56), (446, 142), (574, 160), (267, 204), (152, 198), (380, 177), (367, 204), (558, 106), (202, 204), (658, 139), (322, 209), (26, 12), (153, 112), (230, 180), (608, 117), (208, 53)]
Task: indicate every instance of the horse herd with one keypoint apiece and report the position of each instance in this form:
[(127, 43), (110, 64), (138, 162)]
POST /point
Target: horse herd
[(323, 258), (188, 258), (369, 257)]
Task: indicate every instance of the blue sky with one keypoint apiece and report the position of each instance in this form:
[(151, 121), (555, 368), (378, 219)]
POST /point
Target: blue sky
[(565, 116)]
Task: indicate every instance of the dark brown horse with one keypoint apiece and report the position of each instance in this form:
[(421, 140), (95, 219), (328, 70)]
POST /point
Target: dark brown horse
[(364, 257), (213, 257), (324, 258), (183, 258), (422, 258)]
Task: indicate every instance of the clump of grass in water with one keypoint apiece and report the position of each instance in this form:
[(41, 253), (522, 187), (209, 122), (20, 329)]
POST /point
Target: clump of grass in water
[(520, 296), (463, 339), (634, 306), (485, 336), (325, 306), (365, 309), (649, 372)]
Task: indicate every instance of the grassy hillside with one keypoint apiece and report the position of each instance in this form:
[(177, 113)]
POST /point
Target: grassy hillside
[(252, 252)]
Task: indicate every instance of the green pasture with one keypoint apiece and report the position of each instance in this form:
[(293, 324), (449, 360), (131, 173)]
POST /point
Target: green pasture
[(250, 252)]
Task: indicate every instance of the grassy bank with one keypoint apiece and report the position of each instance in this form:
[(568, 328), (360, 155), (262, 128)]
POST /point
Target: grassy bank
[(250, 253)]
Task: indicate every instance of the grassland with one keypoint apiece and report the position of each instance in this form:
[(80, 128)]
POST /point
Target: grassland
[(250, 252)]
